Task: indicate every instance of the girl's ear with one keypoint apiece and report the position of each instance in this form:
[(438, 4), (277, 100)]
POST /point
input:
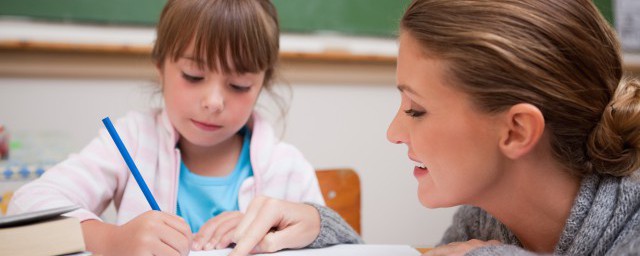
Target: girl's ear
[(160, 70), (524, 128), (159, 67)]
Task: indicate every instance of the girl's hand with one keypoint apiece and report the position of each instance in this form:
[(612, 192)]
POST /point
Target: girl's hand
[(460, 248), (271, 225), (217, 232), (151, 233)]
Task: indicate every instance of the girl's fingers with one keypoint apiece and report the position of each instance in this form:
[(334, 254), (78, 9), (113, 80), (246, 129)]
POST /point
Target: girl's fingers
[(202, 239), (162, 248), (224, 229), (177, 223), (204, 234), (175, 239), (225, 240)]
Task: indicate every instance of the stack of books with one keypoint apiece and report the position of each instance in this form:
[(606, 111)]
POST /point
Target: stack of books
[(44, 232)]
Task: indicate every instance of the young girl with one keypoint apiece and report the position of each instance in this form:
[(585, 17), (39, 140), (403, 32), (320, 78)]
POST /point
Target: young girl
[(517, 110), (205, 156)]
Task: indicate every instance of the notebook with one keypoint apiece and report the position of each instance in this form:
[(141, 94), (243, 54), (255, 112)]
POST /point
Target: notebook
[(41, 233), (336, 250)]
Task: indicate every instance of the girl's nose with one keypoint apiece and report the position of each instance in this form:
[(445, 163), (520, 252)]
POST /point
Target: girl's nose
[(214, 100)]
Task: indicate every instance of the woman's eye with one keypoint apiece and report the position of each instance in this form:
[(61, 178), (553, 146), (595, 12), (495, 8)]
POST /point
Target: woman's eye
[(414, 113), (192, 79), (240, 88)]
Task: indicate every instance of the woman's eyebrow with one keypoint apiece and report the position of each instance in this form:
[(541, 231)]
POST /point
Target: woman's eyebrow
[(403, 88)]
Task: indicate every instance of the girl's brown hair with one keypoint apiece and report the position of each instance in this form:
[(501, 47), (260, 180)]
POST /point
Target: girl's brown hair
[(229, 35), (561, 56)]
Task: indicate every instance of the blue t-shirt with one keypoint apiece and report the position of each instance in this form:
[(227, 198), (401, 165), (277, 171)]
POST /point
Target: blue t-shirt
[(201, 198)]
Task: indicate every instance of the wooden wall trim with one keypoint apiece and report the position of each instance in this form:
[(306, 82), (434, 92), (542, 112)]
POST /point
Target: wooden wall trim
[(330, 56), (23, 60)]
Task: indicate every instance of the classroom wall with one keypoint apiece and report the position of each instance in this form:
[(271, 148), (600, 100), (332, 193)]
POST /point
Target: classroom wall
[(334, 125), (338, 115), (339, 108)]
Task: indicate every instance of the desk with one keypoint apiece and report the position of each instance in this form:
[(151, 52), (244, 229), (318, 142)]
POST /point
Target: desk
[(421, 250)]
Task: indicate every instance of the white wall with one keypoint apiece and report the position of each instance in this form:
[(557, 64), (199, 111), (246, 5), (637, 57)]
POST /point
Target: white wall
[(338, 116), (345, 125), (334, 125)]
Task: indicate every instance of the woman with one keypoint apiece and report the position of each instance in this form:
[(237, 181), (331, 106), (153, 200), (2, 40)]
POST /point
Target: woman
[(516, 109)]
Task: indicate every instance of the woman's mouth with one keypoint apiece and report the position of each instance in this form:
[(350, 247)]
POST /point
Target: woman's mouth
[(420, 170)]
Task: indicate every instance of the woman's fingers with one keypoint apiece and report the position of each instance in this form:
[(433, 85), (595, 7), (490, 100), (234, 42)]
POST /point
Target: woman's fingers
[(282, 239), (252, 211), (264, 216), (460, 248), (296, 225), (301, 227)]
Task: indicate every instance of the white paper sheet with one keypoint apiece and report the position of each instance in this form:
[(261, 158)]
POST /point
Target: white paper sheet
[(337, 250)]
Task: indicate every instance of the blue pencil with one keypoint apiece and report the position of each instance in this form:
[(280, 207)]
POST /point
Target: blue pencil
[(130, 163)]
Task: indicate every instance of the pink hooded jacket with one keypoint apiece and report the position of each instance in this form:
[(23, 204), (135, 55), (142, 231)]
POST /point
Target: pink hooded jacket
[(98, 174)]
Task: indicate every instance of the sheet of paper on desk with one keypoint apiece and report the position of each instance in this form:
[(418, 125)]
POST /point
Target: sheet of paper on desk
[(337, 250)]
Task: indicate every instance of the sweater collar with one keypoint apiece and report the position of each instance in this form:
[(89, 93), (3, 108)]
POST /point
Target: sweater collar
[(168, 127), (600, 213)]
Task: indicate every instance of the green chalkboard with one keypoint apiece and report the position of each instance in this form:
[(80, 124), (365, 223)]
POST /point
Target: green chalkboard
[(367, 17), (606, 8), (360, 17), (130, 12)]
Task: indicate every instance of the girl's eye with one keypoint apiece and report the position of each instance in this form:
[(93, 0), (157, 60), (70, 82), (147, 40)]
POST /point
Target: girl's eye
[(414, 113), (240, 88), (192, 79)]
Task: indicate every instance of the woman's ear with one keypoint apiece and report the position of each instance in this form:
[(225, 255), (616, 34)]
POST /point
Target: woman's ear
[(524, 128)]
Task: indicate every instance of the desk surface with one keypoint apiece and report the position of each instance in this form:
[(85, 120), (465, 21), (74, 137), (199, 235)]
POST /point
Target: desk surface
[(421, 250)]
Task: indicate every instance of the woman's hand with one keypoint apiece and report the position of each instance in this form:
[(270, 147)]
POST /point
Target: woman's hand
[(217, 232), (460, 248), (151, 233), (271, 225)]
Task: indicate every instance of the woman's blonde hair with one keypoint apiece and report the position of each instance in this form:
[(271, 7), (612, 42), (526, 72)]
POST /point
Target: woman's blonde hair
[(561, 56)]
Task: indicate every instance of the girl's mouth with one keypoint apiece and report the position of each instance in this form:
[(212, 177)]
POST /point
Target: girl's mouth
[(206, 126)]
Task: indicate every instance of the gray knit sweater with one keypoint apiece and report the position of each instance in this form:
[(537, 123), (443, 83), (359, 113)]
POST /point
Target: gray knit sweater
[(604, 220), (333, 229)]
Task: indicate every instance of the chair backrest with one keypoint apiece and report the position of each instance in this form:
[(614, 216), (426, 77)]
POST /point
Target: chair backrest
[(341, 191)]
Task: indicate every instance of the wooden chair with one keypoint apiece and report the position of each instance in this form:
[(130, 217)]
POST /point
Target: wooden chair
[(341, 191)]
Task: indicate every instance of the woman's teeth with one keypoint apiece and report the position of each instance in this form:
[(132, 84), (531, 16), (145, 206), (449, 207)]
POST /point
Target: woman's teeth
[(420, 165)]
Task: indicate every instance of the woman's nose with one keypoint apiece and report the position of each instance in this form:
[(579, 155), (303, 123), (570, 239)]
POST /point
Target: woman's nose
[(396, 132)]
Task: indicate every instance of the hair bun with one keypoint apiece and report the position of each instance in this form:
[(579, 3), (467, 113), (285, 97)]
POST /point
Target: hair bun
[(614, 145)]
